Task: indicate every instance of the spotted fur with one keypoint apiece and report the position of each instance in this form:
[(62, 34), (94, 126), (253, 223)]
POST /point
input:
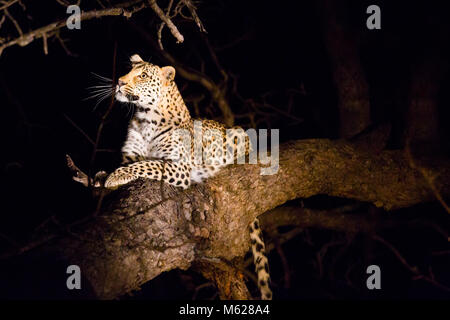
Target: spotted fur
[(161, 143), (260, 260)]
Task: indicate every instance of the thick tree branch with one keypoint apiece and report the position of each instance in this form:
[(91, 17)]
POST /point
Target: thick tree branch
[(148, 228), (228, 279)]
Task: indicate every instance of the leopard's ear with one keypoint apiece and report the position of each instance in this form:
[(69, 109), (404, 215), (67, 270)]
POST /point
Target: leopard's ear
[(135, 58), (168, 73)]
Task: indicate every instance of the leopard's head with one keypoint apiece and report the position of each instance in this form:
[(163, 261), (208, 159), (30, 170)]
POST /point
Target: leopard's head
[(145, 83)]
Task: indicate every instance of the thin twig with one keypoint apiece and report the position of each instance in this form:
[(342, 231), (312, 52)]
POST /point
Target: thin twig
[(284, 261), (44, 40), (413, 269), (428, 178), (79, 129), (27, 38), (8, 4), (16, 24), (193, 10), (161, 27), (105, 116), (2, 20), (173, 29)]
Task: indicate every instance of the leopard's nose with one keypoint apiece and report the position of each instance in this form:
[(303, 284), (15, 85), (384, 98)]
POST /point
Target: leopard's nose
[(121, 83)]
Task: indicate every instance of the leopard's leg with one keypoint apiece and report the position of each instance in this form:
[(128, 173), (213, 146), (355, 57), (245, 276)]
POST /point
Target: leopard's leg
[(134, 148), (174, 173), (260, 260), (128, 158)]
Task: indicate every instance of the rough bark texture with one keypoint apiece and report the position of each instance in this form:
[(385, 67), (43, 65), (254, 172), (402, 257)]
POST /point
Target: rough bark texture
[(228, 279), (146, 228)]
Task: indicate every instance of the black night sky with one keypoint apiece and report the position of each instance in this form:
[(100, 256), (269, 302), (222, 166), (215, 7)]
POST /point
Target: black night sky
[(276, 58)]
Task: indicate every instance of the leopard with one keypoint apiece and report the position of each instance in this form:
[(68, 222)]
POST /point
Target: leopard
[(164, 143)]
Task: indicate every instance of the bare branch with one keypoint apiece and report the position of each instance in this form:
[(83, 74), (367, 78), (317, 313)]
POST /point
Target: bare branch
[(63, 3), (27, 38), (193, 10), (63, 45), (44, 41), (77, 174), (2, 20), (428, 177), (413, 269), (173, 29), (161, 27), (16, 24), (7, 5), (79, 129)]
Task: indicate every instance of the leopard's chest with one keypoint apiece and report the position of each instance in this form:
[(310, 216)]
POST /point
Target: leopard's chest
[(165, 144)]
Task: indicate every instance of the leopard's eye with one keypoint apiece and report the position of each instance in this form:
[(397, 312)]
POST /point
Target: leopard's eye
[(143, 75)]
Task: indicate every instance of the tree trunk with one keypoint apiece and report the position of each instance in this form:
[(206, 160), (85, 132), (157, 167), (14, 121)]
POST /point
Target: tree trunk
[(423, 117), (348, 74)]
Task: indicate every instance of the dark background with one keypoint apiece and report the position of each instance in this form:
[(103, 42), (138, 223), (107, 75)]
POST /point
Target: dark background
[(271, 47)]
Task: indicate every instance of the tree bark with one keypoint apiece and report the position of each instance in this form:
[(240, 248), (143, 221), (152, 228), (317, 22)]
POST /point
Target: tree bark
[(146, 228), (349, 79), (422, 130)]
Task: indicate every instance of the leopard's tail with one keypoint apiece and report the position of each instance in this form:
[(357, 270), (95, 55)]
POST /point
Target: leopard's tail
[(260, 260)]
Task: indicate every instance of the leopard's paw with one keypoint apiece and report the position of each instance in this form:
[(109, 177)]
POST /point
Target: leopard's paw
[(119, 177)]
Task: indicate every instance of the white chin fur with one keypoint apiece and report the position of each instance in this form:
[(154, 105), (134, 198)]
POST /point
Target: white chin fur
[(121, 97)]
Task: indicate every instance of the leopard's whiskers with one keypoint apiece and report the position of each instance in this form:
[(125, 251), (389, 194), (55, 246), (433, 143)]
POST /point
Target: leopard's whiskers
[(102, 78), (105, 89)]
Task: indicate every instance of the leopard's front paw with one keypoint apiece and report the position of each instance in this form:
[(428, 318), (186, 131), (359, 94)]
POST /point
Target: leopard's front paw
[(119, 177)]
